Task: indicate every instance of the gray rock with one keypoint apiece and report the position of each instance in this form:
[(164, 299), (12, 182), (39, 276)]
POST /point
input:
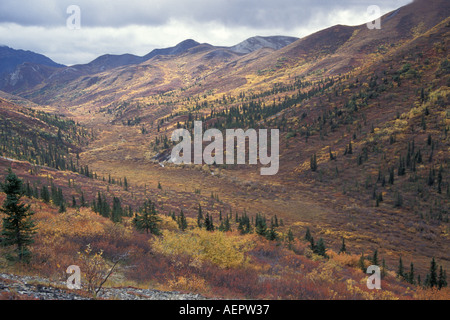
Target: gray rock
[(44, 289)]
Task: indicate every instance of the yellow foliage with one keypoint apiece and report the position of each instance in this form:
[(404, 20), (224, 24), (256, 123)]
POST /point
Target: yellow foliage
[(345, 260), (94, 268), (355, 290), (167, 223), (432, 294), (191, 284), (400, 124), (325, 274), (73, 223), (438, 94), (223, 250)]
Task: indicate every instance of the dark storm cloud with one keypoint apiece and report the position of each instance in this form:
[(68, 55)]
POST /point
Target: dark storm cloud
[(119, 13)]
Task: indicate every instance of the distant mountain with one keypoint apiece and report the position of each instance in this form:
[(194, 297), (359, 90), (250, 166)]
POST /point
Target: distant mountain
[(110, 61), (21, 70), (178, 49), (10, 59), (256, 43), (107, 62)]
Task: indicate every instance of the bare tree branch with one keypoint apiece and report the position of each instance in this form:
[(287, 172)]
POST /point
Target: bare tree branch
[(116, 262)]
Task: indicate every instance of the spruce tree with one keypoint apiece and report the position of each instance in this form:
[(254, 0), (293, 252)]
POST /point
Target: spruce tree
[(182, 222), (433, 277), (427, 280), (442, 280), (290, 238), (271, 234), (380, 197), (18, 227), (401, 270), (45, 194), (430, 180), (225, 226), (200, 217), (244, 224), (441, 169), (62, 207), (361, 263), (103, 206), (125, 183), (275, 221), (312, 244), (313, 163), (260, 225), (383, 268), (148, 220), (83, 200), (117, 211), (375, 258), (209, 225), (411, 276), (332, 156), (391, 176), (28, 190), (308, 235), (343, 247), (320, 248)]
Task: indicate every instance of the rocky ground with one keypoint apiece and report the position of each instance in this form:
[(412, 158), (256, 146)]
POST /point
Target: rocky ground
[(34, 288)]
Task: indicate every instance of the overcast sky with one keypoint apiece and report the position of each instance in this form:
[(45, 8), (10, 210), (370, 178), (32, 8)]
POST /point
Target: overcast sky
[(138, 26)]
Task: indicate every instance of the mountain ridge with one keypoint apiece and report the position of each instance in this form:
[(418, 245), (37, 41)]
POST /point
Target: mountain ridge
[(12, 82), (11, 58), (255, 43)]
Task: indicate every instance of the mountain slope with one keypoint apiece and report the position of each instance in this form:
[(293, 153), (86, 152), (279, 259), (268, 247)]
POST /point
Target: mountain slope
[(38, 137), (256, 43), (24, 69), (26, 76), (375, 105), (109, 61), (178, 49), (10, 59)]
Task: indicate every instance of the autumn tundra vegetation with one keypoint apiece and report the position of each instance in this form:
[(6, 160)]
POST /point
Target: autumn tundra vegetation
[(363, 174), (233, 257)]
